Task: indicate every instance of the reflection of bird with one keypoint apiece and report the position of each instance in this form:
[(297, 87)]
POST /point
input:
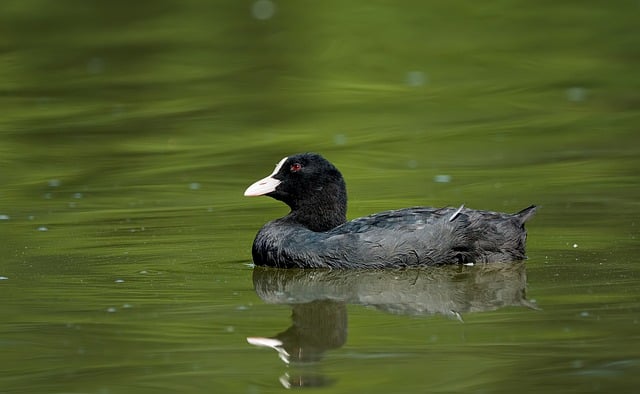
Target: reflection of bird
[(315, 234), (272, 343), (317, 326), (447, 290)]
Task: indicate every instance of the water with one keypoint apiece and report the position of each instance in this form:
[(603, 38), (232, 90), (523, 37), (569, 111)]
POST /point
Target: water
[(128, 134)]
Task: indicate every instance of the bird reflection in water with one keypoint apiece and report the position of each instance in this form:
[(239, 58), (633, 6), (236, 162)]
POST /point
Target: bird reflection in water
[(318, 326), (319, 299)]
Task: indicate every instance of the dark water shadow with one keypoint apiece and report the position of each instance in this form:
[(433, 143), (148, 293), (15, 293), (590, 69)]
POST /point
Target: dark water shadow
[(319, 299)]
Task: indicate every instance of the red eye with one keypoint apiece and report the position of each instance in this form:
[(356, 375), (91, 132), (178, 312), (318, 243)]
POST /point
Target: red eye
[(295, 167)]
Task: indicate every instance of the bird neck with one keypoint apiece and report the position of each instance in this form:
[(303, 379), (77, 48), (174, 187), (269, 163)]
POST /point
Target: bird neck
[(327, 211)]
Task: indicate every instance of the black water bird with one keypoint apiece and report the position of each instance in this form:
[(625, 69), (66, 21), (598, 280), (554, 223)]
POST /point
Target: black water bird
[(316, 233)]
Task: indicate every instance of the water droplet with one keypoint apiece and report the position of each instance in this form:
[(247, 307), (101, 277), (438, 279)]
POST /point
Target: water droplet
[(43, 228), (263, 9), (111, 309), (4, 217), (119, 280), (339, 139), (415, 78), (575, 245), (54, 183), (194, 186), (576, 94), (442, 178), (3, 278), (77, 195)]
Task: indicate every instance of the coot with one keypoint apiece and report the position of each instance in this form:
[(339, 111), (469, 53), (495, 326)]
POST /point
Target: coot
[(316, 234)]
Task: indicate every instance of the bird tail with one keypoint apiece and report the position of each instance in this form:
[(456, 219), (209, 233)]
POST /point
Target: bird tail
[(526, 213)]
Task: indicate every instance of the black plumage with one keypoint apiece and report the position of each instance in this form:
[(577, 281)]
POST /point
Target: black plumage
[(316, 234)]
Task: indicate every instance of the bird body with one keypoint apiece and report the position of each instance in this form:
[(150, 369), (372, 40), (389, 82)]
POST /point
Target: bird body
[(315, 234)]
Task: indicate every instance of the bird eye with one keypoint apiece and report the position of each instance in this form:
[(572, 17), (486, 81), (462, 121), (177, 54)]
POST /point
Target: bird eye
[(295, 167)]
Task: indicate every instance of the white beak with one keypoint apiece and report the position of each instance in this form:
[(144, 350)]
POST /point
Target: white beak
[(265, 185), (273, 344)]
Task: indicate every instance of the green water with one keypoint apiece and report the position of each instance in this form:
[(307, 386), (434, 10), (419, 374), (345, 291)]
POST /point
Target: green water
[(129, 131)]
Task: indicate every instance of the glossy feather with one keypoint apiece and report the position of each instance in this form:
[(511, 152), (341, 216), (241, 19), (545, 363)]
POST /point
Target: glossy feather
[(399, 238)]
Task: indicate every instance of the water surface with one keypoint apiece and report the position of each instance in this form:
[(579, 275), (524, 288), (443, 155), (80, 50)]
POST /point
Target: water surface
[(129, 132)]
